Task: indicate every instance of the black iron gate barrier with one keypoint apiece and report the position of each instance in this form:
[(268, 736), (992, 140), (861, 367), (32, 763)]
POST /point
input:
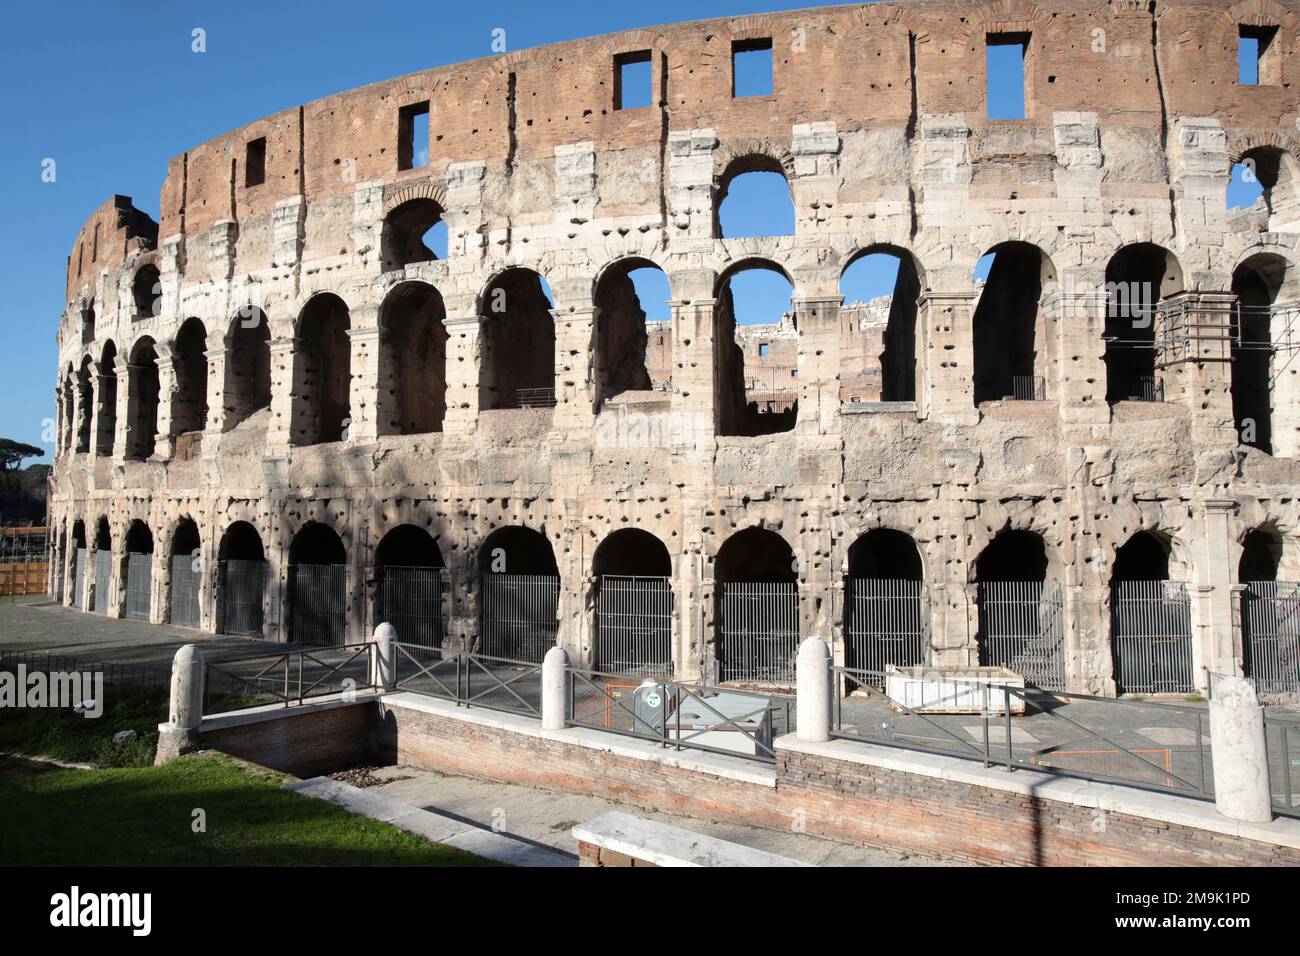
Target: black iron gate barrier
[(411, 599), (1282, 744), (887, 623), (139, 575), (1270, 622), (759, 631), (103, 579), (1151, 633), (715, 719), (1071, 735), (79, 578), (287, 678), (634, 624), (243, 588), (469, 680), (1022, 628), (319, 603), (520, 615), (185, 590)]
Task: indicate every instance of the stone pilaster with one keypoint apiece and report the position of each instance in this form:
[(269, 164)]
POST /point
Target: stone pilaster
[(464, 335), (364, 388), (574, 386), (946, 392), (284, 392), (167, 395)]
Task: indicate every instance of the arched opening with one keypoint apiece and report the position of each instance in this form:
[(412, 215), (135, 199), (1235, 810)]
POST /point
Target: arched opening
[(1021, 626), (67, 411), (146, 291), (1270, 615), (753, 199), (317, 586), (885, 618), (1151, 624), (1257, 283), (1264, 181), (517, 346), (85, 403), (248, 366), (757, 608), (410, 585), (634, 604), (1010, 338), (187, 573), (413, 361), (241, 581), (413, 232), (757, 350), (142, 404), (139, 571), (324, 360), (80, 566), (880, 287), (190, 399), (521, 589), (103, 583), (633, 332), (106, 421), (1138, 277)]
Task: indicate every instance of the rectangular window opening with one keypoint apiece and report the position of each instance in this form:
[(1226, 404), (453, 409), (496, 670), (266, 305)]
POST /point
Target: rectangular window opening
[(1005, 90), (633, 80), (1257, 58), (255, 162), (762, 349), (413, 136), (751, 68)]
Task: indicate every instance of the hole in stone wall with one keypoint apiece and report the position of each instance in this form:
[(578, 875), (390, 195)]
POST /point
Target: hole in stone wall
[(413, 361), (413, 136), (1258, 57), (517, 358), (633, 330), (757, 394), (407, 234), (633, 82), (1005, 55), (322, 372), (255, 162), (878, 326), (751, 68)]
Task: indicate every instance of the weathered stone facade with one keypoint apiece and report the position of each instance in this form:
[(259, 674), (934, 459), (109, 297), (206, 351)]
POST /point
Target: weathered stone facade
[(339, 389)]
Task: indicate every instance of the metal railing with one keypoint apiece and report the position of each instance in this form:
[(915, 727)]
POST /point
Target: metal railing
[(287, 678), (139, 578), (185, 590), (759, 631), (887, 623), (1270, 620), (411, 599), (469, 680), (103, 579), (712, 719), (520, 615), (1028, 388), (1282, 741), (634, 618), (1151, 627), (242, 592), (319, 608), (526, 398), (1137, 388), (79, 579), (114, 673), (1075, 736), (1021, 626)]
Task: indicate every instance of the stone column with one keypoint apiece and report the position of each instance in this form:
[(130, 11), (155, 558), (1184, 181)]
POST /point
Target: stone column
[(1202, 616), (163, 441), (813, 691), (363, 392), (946, 392), (125, 404), (574, 389), (1237, 740), (555, 686), (216, 420), (384, 675), (180, 735), (464, 335), (284, 389), (1219, 654), (1076, 370), (821, 459)]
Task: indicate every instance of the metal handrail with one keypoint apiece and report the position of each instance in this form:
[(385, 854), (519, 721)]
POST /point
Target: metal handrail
[(465, 663), (283, 663)]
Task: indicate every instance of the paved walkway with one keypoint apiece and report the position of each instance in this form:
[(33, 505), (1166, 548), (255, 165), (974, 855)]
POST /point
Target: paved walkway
[(39, 626), (547, 817)]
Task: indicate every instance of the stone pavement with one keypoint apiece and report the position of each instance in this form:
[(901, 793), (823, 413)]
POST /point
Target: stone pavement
[(547, 817)]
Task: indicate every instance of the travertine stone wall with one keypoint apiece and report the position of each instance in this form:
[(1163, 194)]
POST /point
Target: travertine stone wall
[(878, 122)]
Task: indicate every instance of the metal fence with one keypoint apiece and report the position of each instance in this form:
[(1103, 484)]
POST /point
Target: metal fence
[(411, 599), (319, 603), (886, 623), (139, 574), (287, 678), (469, 680), (1022, 628), (1282, 740), (1028, 388), (114, 673), (759, 631), (79, 576), (242, 591), (1151, 632), (185, 590), (1154, 746), (718, 720), (103, 579), (520, 615), (1270, 620), (634, 624)]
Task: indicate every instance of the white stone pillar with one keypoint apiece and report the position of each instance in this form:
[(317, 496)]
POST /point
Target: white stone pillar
[(384, 676), (1241, 790), (813, 691), (555, 688), (185, 712)]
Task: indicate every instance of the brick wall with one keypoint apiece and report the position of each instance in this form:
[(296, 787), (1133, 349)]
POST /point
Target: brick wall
[(304, 741)]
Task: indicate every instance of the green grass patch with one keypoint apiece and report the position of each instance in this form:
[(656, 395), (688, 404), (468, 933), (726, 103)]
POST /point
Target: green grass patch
[(145, 817)]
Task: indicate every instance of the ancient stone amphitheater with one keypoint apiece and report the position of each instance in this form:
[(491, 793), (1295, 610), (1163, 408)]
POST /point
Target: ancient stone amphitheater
[(280, 414)]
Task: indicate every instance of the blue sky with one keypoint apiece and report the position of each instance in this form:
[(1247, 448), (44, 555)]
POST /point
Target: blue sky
[(111, 90)]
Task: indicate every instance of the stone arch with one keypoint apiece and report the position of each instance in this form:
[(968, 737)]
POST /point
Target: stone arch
[(897, 357), (106, 411), (189, 407), (756, 392), (85, 404), (1258, 283), (1272, 158), (405, 223), (629, 355), (322, 371), (143, 390), (146, 291), (1139, 276), (517, 343), (412, 396), (632, 603), (1012, 335), (247, 387)]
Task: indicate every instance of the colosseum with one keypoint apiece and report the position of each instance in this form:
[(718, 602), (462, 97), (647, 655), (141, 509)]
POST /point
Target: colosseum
[(281, 413)]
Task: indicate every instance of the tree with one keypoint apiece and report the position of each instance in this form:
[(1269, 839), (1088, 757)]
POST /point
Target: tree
[(13, 452)]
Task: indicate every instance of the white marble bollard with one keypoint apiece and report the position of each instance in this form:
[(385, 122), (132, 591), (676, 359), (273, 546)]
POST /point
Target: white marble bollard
[(180, 734), (1241, 790), (813, 690), (555, 689), (385, 661)]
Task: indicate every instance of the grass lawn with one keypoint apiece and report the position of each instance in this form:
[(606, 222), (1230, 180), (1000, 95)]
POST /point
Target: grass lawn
[(66, 735), (143, 816)]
